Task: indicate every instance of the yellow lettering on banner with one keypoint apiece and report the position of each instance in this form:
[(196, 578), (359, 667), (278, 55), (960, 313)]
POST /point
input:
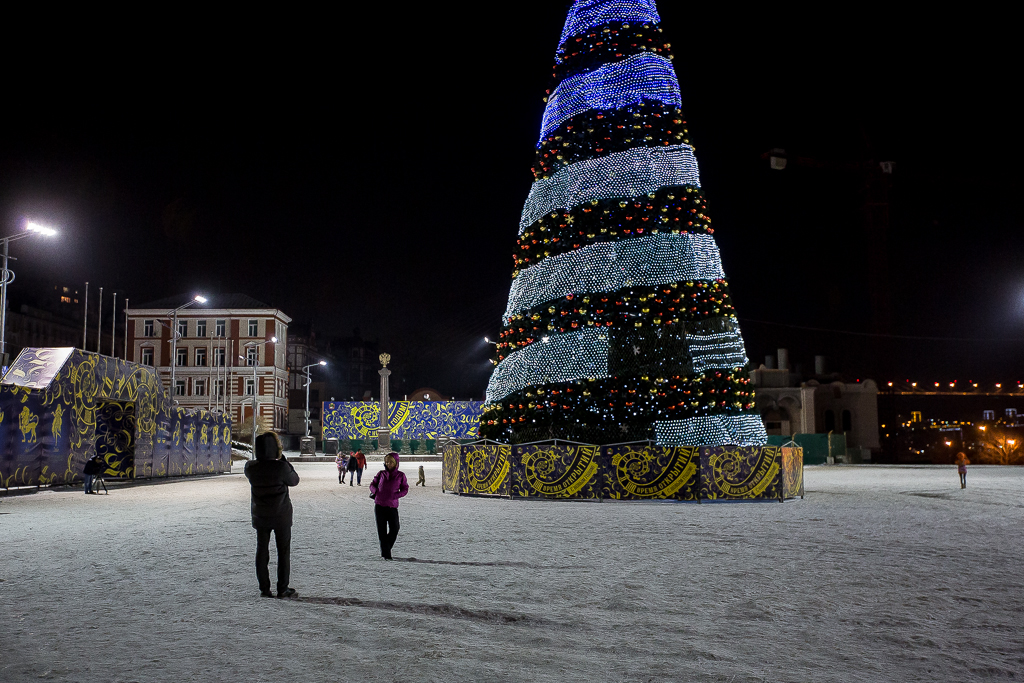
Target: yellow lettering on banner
[(762, 476), (493, 481), (636, 463), (572, 482)]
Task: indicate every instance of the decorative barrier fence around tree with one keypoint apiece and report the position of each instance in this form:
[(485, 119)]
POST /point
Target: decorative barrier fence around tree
[(630, 471), (60, 406)]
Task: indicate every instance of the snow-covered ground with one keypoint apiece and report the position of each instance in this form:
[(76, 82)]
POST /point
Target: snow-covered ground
[(881, 574)]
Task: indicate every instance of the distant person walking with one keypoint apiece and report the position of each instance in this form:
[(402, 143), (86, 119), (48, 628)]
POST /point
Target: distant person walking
[(961, 467), (342, 462), (386, 488), (362, 466), (422, 481), (353, 465), (93, 467), (270, 475)]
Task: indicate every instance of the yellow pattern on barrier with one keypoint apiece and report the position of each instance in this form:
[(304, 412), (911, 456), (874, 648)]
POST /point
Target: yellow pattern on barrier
[(27, 422), (58, 421), (542, 468), (417, 419), (487, 469), (734, 479), (633, 466)]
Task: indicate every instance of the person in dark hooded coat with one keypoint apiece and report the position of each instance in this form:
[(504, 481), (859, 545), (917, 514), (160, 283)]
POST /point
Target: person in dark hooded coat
[(270, 475)]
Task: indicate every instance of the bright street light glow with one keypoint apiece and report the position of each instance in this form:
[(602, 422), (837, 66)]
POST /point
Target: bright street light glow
[(200, 298), (323, 362), (273, 339), (41, 229)]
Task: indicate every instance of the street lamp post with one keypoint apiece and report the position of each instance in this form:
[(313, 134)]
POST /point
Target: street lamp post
[(255, 384), (174, 336), (309, 381), (7, 276)]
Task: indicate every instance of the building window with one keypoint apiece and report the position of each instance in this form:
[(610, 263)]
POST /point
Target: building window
[(147, 356), (199, 388), (218, 357), (915, 415), (252, 356), (249, 387), (254, 328), (201, 358), (200, 328), (179, 387), (147, 328), (988, 415), (830, 421), (218, 387), (182, 328), (222, 326), (1011, 413), (847, 421), (182, 359)]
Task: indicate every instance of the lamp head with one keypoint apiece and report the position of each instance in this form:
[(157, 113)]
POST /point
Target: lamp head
[(199, 298), (273, 339), (323, 362), (40, 229)]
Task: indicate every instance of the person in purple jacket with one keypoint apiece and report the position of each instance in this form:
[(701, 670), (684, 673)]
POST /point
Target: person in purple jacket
[(387, 487)]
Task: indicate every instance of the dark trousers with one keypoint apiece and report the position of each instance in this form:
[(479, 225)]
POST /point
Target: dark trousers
[(963, 480), (283, 537), (387, 528), (357, 476)]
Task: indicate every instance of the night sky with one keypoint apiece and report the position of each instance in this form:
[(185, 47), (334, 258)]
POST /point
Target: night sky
[(369, 171)]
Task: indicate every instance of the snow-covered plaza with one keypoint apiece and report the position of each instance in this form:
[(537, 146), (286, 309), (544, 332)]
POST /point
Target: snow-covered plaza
[(881, 574)]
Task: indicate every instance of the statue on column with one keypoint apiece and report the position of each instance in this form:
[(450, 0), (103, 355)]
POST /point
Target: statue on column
[(384, 429)]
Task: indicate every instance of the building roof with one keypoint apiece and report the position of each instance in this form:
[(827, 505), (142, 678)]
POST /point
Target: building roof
[(214, 301)]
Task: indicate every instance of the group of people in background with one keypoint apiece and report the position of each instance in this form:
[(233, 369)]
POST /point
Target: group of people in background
[(352, 464)]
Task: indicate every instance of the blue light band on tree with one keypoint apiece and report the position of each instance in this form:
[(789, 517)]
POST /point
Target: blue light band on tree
[(585, 15), (640, 78)]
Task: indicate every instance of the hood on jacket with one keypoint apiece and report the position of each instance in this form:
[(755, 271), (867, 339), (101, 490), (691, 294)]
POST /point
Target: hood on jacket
[(398, 459), (267, 447)]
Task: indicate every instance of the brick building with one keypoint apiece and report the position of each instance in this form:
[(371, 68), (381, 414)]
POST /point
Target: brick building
[(220, 343)]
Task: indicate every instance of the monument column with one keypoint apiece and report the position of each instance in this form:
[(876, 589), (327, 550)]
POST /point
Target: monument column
[(384, 431)]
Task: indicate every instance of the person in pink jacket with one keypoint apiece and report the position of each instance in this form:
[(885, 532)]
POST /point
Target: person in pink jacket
[(387, 487)]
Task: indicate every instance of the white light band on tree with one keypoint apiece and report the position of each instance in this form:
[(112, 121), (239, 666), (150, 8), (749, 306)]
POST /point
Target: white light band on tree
[(716, 351), (609, 266), (711, 430), (640, 170), (642, 77), (586, 14), (563, 358)]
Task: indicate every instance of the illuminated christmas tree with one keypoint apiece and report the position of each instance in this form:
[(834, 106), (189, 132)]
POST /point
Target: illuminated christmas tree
[(619, 323)]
